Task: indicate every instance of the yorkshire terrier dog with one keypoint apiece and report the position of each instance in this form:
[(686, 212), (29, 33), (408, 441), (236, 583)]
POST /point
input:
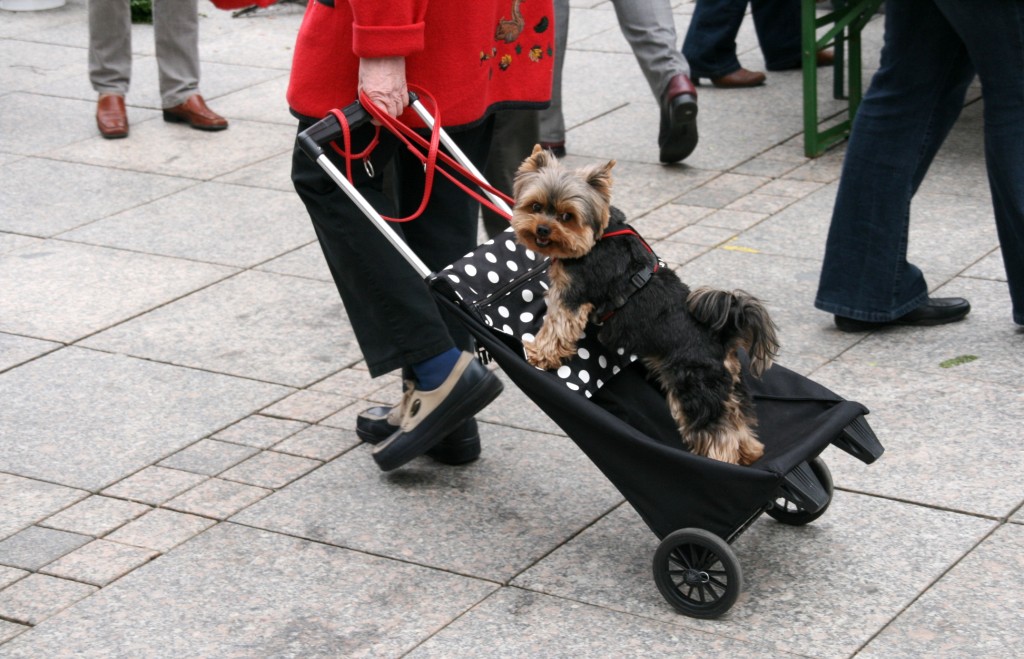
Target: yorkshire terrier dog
[(602, 272)]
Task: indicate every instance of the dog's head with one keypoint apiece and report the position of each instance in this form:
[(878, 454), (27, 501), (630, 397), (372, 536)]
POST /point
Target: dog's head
[(560, 212)]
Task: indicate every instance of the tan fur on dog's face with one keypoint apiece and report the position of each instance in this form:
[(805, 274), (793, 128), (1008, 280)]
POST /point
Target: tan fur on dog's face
[(559, 212)]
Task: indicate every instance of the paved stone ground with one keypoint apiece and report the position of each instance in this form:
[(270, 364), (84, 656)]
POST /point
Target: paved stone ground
[(178, 471)]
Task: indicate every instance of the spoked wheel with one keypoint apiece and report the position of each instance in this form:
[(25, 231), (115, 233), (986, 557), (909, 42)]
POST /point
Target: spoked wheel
[(697, 573), (789, 512)]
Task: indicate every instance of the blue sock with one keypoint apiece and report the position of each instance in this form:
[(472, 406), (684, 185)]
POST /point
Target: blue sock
[(431, 373)]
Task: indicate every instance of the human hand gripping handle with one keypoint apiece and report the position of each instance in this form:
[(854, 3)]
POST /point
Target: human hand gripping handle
[(382, 79)]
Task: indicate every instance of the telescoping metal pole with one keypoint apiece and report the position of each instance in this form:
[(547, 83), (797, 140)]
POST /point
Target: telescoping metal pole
[(457, 153)]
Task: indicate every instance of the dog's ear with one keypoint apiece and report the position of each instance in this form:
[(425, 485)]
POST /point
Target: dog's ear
[(539, 158), (600, 178)]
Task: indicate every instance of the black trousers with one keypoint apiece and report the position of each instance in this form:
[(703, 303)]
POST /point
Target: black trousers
[(390, 308)]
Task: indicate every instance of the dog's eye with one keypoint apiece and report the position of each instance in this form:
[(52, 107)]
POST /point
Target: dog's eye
[(536, 207), (565, 217)]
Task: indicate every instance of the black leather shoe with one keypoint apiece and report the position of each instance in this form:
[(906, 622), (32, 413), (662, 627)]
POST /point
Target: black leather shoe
[(936, 311), (430, 416), (376, 424), (677, 135)]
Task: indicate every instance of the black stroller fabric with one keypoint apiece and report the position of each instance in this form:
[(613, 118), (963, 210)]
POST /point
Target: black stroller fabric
[(605, 403)]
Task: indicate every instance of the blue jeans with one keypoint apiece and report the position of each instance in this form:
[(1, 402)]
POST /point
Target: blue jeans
[(710, 44), (931, 52)]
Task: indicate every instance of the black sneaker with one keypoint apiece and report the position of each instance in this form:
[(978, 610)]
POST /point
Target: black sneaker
[(428, 417)]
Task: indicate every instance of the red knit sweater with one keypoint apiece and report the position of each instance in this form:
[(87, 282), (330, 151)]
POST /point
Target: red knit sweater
[(473, 56)]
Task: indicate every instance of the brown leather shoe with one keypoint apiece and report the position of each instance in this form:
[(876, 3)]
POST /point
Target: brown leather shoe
[(111, 118), (739, 78), (195, 113), (677, 135)]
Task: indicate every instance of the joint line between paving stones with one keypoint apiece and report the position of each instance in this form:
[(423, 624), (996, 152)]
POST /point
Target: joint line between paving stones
[(925, 590), (572, 537), (911, 502), (363, 552)]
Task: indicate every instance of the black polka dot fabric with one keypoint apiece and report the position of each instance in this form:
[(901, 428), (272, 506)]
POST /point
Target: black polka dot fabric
[(505, 283)]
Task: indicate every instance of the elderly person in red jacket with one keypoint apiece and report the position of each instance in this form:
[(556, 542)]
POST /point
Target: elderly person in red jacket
[(475, 58)]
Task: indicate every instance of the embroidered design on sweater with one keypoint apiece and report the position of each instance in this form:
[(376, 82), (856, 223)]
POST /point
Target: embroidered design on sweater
[(509, 30)]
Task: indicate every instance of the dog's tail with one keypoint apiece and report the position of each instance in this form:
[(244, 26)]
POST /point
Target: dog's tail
[(741, 320)]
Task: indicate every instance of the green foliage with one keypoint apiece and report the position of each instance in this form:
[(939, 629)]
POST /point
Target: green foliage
[(142, 11)]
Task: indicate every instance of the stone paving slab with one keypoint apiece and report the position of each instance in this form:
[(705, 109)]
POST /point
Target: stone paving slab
[(271, 173), (68, 290), (25, 130), (255, 325), (161, 530), (95, 516), (254, 226), (24, 501), (527, 494), (39, 596), (177, 150), (35, 547), (208, 457), (519, 623), (88, 419), (27, 65), (217, 498), (30, 22), (16, 350), (307, 261), (951, 442), (99, 562), (984, 346), (80, 194), (793, 576), (239, 591), (974, 610)]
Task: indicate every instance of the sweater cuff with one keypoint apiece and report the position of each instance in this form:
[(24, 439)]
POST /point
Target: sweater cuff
[(387, 41)]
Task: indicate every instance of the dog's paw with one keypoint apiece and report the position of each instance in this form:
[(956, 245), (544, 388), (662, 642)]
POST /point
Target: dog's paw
[(541, 359)]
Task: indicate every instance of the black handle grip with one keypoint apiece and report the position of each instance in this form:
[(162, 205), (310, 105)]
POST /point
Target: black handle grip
[(328, 129)]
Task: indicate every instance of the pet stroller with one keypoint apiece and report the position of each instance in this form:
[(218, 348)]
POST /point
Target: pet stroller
[(604, 402)]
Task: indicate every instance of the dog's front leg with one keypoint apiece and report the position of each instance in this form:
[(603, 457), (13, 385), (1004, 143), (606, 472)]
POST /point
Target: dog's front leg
[(557, 337)]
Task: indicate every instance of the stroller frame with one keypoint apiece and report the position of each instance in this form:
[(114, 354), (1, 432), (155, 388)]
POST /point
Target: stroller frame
[(628, 433)]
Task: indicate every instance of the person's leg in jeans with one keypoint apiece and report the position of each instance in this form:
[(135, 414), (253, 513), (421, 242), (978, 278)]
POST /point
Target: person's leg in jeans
[(777, 23), (176, 31), (991, 30), (710, 43), (912, 103)]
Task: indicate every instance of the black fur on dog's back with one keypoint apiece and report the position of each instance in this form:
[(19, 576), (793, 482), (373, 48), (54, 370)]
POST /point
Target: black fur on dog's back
[(687, 340)]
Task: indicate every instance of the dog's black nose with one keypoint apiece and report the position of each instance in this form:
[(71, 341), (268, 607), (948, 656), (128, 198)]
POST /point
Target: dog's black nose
[(543, 230)]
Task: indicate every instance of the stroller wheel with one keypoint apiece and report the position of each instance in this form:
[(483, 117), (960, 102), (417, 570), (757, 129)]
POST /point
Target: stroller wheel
[(697, 573), (789, 512)]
